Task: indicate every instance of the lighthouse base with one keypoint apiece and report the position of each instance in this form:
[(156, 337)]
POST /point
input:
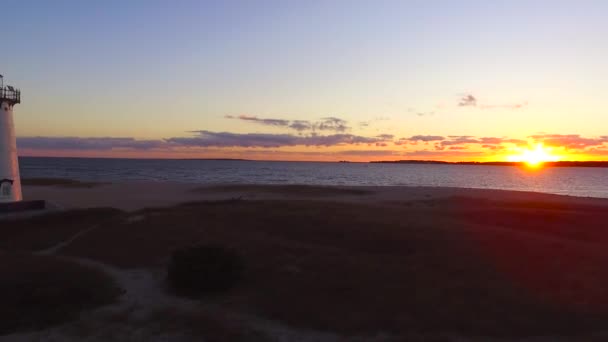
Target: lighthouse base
[(13, 207)]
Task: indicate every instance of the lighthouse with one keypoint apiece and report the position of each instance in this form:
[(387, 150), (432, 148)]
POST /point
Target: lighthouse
[(10, 182)]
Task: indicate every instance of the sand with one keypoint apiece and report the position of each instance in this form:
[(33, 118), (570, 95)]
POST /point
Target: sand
[(132, 196), (333, 263)]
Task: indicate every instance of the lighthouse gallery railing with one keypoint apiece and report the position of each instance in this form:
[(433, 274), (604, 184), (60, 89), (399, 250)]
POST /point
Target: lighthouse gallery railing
[(10, 94)]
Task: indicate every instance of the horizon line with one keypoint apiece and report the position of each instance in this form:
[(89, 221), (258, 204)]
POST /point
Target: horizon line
[(396, 161)]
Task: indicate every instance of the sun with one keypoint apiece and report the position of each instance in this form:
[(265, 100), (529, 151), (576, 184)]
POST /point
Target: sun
[(534, 157)]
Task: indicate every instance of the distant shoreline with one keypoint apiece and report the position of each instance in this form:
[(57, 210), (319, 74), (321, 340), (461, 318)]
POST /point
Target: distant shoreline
[(422, 162), (545, 164)]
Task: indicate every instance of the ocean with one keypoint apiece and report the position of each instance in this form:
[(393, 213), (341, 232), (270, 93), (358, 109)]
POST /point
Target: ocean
[(574, 181)]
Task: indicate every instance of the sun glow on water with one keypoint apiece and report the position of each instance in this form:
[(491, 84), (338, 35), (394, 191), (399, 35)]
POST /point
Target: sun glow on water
[(534, 157)]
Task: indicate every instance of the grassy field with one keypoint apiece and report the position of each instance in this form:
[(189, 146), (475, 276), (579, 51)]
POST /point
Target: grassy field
[(42, 232), (458, 266), (41, 291)]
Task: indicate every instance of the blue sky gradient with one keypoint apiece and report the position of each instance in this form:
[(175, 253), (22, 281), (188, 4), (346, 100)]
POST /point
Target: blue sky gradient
[(161, 69)]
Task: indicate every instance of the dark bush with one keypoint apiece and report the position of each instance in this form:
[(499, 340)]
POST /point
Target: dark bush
[(204, 269)]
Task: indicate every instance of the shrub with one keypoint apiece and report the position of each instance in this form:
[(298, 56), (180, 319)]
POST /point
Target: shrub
[(204, 269)]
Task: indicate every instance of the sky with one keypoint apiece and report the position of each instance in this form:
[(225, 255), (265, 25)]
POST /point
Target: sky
[(309, 80)]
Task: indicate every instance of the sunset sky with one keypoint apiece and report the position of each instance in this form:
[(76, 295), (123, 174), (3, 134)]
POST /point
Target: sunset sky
[(309, 80)]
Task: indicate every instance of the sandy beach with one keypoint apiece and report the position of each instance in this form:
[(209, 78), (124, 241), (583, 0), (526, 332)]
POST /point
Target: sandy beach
[(323, 263), (130, 196)]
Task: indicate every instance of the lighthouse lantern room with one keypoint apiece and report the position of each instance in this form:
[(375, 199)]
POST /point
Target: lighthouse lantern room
[(10, 182)]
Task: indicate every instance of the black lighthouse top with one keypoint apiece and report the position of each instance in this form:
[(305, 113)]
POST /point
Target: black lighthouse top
[(8, 93)]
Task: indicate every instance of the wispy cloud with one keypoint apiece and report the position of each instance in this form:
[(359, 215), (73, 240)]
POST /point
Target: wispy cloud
[(77, 143), (226, 139), (204, 141), (425, 138), (442, 154), (459, 140), (494, 147), (569, 141), (376, 153), (495, 143), (300, 125), (491, 140), (511, 106), (485, 142), (468, 101), (267, 122), (454, 141), (331, 123), (415, 139), (385, 137)]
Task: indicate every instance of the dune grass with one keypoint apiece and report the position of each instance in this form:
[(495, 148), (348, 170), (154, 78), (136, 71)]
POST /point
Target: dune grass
[(37, 292), (450, 266), (361, 269), (45, 231)]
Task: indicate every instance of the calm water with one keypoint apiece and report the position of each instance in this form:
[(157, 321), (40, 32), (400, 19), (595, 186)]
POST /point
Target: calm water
[(592, 182)]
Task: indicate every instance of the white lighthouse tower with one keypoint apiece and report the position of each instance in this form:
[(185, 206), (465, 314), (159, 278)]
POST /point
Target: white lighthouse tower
[(10, 182)]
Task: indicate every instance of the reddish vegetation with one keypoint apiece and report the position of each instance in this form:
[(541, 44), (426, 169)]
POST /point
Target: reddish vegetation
[(556, 253), (37, 292), (41, 232), (456, 265)]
